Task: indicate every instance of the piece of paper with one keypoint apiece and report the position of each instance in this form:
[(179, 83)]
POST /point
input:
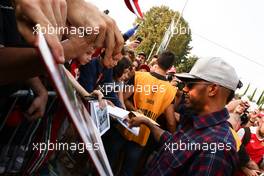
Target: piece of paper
[(117, 112), (100, 117), (75, 107), (121, 115), (124, 123)]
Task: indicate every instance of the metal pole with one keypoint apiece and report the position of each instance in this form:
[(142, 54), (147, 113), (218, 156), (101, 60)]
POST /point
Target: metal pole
[(154, 45)]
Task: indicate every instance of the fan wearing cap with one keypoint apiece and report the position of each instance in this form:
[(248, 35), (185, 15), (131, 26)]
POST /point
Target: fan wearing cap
[(141, 58), (210, 148)]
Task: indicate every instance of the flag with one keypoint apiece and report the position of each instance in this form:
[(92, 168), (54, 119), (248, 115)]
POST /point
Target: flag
[(133, 6)]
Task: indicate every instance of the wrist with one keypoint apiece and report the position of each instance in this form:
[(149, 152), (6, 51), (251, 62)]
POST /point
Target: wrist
[(43, 94), (146, 122), (69, 49)]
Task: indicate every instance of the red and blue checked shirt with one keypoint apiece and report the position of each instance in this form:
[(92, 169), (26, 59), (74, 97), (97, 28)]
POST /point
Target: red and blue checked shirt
[(203, 145)]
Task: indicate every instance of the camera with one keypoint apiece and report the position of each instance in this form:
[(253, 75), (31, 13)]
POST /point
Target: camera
[(244, 117), (169, 78)]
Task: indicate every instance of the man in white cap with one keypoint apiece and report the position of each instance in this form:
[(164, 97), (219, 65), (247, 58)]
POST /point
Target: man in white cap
[(203, 143)]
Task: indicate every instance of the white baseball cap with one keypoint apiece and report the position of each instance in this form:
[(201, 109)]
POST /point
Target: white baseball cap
[(214, 70)]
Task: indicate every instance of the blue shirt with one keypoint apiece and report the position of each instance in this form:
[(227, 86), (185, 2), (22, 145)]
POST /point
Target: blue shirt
[(94, 76), (204, 145)]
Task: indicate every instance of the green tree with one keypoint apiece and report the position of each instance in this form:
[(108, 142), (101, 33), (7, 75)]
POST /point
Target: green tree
[(186, 64), (261, 98), (245, 90), (252, 96), (152, 30)]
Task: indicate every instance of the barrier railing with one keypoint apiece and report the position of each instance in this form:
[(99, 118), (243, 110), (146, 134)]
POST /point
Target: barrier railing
[(17, 133)]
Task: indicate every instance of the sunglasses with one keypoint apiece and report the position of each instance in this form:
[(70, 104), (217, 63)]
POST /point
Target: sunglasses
[(190, 84)]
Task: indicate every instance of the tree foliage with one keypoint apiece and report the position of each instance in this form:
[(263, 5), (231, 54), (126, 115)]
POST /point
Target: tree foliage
[(186, 64), (152, 30)]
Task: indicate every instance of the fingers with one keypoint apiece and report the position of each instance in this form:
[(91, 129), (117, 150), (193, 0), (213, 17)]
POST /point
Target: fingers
[(239, 109), (119, 41), (108, 35), (102, 103), (30, 13), (98, 93), (110, 103), (35, 115), (34, 112), (56, 48), (99, 40), (31, 109), (52, 12), (63, 9), (131, 123), (56, 9), (114, 41), (135, 121), (24, 27), (110, 42), (25, 30), (255, 172), (37, 107)]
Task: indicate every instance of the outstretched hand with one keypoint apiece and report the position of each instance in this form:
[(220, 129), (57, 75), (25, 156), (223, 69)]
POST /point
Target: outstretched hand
[(33, 15), (37, 107), (104, 32), (137, 121)]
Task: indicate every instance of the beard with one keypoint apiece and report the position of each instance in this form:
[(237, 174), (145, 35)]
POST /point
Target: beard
[(188, 110), (193, 105)]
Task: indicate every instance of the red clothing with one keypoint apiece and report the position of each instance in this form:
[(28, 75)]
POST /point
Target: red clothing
[(255, 148), (208, 129), (74, 69)]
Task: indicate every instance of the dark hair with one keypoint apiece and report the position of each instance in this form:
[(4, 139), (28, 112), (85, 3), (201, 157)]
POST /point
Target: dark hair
[(119, 69), (138, 64), (230, 96), (124, 50), (166, 60), (142, 54), (132, 55), (131, 52), (169, 77), (139, 39), (232, 93)]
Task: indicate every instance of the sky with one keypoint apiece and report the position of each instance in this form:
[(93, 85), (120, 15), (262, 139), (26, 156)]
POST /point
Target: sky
[(230, 29)]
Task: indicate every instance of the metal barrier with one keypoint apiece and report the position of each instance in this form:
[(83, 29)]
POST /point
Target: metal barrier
[(16, 139)]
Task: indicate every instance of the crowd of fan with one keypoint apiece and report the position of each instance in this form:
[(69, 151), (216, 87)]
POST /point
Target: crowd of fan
[(198, 107)]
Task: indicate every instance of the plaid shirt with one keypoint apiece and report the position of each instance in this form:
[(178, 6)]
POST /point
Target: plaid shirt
[(203, 145)]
